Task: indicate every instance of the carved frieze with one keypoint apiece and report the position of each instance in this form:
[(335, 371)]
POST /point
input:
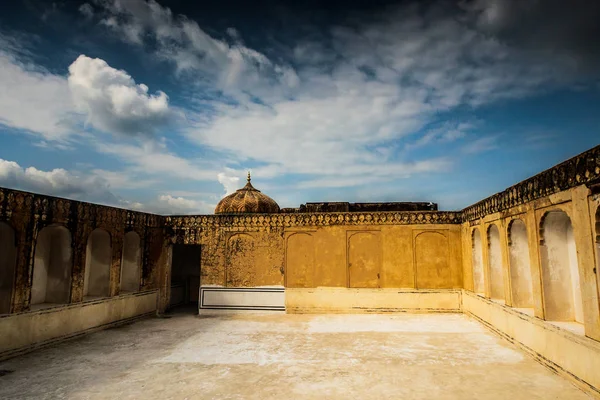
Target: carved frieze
[(273, 221)]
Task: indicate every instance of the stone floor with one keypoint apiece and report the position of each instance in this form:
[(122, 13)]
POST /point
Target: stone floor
[(268, 356)]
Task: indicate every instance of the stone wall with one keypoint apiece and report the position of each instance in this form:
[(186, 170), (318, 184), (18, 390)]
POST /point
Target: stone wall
[(549, 241), (28, 214), (403, 249)]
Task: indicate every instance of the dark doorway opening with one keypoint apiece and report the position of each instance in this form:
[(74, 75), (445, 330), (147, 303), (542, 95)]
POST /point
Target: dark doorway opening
[(185, 277)]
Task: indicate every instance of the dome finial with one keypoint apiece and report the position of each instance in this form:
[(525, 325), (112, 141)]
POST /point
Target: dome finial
[(248, 176)]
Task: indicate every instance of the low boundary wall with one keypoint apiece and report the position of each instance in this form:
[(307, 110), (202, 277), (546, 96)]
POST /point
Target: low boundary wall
[(351, 300), (572, 355), (26, 331)]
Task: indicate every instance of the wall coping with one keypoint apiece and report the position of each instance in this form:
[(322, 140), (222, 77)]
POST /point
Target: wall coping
[(62, 307)]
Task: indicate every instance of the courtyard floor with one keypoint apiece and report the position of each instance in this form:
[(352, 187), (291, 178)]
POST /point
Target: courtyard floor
[(279, 356)]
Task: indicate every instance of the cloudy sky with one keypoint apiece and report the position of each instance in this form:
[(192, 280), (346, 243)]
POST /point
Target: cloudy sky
[(164, 105)]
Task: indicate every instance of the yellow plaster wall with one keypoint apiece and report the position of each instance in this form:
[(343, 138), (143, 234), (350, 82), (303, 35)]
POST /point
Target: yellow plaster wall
[(254, 259), (397, 256), (341, 300), (580, 206)]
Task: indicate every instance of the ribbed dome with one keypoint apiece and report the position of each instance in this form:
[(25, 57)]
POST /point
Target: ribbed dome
[(247, 200)]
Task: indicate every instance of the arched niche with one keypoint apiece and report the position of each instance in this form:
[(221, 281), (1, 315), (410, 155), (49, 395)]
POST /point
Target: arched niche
[(8, 258), (431, 261), (495, 260), (241, 260), (52, 266), (477, 260), (97, 265), (364, 259), (560, 270), (520, 267), (300, 260), (131, 262)]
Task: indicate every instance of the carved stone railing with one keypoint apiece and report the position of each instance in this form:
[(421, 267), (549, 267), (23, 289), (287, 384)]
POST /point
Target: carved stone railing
[(49, 209), (579, 170), (314, 219)]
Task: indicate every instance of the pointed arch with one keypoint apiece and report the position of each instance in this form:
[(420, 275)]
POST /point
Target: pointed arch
[(560, 270), (53, 261), (520, 267), (431, 261), (97, 264), (300, 260), (131, 262), (495, 262)]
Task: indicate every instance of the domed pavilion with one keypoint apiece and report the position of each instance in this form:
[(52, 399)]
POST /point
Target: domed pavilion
[(247, 200)]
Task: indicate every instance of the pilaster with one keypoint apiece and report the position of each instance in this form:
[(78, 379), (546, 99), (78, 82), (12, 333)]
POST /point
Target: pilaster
[(505, 263), (485, 255), (535, 263), (583, 233)]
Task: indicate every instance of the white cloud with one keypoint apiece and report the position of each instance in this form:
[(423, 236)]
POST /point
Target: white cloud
[(37, 101), (481, 145), (33, 99), (181, 41), (153, 158), (419, 66), (371, 174), (170, 205), (95, 187), (447, 132), (112, 100), (57, 182), (124, 179), (229, 181), (356, 96)]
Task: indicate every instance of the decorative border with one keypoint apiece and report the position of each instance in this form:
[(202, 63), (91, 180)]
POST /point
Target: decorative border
[(314, 219), (579, 170), (203, 306)]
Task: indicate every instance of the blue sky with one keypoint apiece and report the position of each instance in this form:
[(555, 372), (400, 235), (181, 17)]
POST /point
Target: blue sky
[(163, 106)]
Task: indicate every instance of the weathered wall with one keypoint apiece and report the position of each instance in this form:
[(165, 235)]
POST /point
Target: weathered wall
[(236, 252), (21, 332), (361, 250), (131, 263), (28, 214), (98, 256), (394, 256), (520, 266), (569, 354), (330, 300), (557, 241)]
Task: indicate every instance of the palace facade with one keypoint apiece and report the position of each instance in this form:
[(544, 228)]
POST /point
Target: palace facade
[(523, 262)]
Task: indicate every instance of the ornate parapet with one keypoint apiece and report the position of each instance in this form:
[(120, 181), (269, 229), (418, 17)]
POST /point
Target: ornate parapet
[(49, 210), (270, 221), (579, 170)]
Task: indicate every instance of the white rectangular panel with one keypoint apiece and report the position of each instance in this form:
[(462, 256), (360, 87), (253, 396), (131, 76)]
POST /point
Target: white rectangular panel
[(219, 298)]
